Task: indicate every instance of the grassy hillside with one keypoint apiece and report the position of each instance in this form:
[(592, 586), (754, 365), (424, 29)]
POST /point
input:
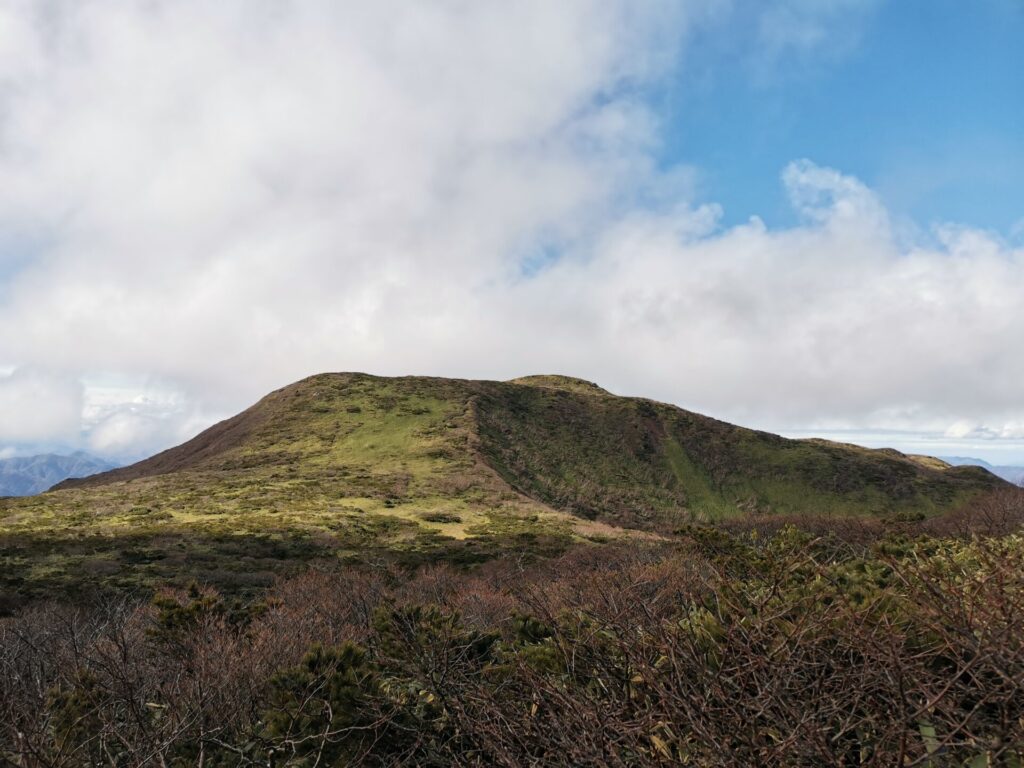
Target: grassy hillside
[(350, 466), (639, 463)]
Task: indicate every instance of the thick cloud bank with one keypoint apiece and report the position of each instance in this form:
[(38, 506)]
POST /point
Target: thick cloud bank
[(38, 406), (222, 198)]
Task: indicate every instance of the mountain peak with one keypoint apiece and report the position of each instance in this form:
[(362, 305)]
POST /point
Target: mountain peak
[(565, 383), (342, 465), (563, 442)]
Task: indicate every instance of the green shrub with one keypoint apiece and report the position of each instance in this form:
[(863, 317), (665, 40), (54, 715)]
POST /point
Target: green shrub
[(327, 710)]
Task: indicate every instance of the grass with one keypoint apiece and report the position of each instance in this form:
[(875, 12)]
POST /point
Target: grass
[(345, 466)]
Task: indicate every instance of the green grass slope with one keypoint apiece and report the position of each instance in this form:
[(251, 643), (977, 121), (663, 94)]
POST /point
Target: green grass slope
[(640, 463), (356, 466)]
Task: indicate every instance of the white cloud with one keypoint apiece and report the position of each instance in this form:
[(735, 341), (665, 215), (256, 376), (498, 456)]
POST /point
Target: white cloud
[(1013, 430), (803, 27), (837, 320), (777, 41), (238, 193), (127, 420), (39, 407), (826, 196), (961, 429), (226, 197), (1017, 231), (131, 433)]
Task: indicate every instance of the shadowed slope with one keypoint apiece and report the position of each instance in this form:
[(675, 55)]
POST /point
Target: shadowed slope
[(637, 462)]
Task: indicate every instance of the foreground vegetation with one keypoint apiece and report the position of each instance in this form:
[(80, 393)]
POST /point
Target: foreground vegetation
[(340, 468), (756, 642)]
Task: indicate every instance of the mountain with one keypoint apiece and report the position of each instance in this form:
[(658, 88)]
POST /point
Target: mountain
[(1011, 474), (27, 475), (355, 466)]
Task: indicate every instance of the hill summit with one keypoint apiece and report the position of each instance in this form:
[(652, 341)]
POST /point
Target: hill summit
[(343, 464), (561, 442)]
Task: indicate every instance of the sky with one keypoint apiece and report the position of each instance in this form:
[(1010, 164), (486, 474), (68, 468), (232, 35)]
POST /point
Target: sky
[(805, 216)]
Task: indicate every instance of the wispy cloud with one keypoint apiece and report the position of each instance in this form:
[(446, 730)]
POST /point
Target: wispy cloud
[(809, 27)]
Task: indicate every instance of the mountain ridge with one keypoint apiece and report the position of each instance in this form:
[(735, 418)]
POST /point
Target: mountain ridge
[(348, 466), (502, 417)]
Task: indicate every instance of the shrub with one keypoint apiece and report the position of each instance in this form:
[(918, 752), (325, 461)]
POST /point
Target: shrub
[(440, 517), (781, 647), (325, 710)]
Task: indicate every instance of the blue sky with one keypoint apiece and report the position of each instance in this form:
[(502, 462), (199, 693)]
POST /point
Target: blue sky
[(922, 100), (805, 216)]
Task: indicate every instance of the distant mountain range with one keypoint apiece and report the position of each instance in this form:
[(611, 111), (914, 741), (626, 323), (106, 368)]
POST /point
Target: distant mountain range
[(28, 475), (1014, 475)]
